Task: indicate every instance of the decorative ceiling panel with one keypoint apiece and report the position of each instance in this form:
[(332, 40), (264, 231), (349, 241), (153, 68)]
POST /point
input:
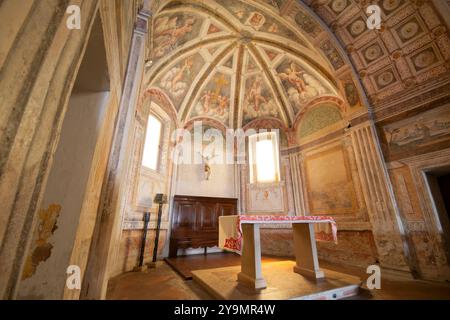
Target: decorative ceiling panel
[(410, 51)]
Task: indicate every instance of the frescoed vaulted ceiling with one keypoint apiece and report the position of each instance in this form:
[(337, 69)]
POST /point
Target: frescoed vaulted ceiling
[(237, 61)]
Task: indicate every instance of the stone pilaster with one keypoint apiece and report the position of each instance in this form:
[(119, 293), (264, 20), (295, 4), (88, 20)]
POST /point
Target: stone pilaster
[(36, 80), (297, 187), (383, 213), (113, 199)]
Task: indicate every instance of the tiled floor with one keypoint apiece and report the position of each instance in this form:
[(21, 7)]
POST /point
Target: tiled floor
[(163, 283)]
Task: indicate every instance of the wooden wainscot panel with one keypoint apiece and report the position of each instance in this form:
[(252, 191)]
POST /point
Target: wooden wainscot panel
[(195, 221)]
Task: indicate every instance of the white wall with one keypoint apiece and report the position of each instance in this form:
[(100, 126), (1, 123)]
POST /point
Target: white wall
[(66, 187), (191, 182)]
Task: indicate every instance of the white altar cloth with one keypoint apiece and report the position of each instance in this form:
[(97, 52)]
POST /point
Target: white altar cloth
[(230, 227)]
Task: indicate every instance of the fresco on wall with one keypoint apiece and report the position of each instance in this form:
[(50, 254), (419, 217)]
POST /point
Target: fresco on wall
[(213, 29), (307, 23), (300, 86), (173, 30), (419, 132), (251, 65), (176, 81), (271, 54), (317, 119), (258, 100), (259, 20), (332, 54), (351, 93), (213, 49), (277, 4), (229, 63), (214, 99), (265, 198), (329, 183)]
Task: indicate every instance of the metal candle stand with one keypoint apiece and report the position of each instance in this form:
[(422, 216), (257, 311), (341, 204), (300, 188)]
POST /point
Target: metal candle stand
[(160, 199), (141, 266)]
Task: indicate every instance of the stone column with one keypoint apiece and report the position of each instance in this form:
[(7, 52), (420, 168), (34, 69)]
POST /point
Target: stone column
[(113, 199)]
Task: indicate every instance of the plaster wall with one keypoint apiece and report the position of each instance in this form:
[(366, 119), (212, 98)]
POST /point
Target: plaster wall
[(66, 190), (191, 181)]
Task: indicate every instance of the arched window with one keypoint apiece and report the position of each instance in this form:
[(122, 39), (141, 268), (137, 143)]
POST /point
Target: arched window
[(264, 158), (152, 146)]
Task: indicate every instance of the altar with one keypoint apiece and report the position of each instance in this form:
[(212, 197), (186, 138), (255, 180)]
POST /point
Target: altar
[(240, 234), (299, 279)]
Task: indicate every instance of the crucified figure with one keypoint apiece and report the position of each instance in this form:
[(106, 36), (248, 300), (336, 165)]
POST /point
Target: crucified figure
[(206, 165)]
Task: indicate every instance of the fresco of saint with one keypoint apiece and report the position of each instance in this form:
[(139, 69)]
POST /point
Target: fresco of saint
[(257, 101), (174, 81)]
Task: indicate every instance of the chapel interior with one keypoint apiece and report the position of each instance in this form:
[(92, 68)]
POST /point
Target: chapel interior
[(96, 97)]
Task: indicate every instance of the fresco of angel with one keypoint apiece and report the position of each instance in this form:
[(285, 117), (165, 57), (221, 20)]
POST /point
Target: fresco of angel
[(206, 100), (295, 77), (168, 32), (174, 81), (303, 86), (223, 104), (213, 105)]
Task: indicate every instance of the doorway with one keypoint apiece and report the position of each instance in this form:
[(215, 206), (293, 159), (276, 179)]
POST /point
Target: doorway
[(65, 190), (438, 180), (444, 187)]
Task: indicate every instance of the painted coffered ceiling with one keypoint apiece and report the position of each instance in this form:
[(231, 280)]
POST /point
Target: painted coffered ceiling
[(236, 62)]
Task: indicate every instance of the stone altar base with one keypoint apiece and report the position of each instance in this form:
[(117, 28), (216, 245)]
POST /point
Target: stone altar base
[(282, 284)]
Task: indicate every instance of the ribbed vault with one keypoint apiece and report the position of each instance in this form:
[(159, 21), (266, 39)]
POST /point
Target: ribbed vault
[(238, 62)]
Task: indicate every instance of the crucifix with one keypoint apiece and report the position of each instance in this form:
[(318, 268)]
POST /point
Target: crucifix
[(206, 164)]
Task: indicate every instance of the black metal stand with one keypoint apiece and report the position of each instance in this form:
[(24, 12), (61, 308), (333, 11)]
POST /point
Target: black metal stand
[(140, 267), (158, 227)]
